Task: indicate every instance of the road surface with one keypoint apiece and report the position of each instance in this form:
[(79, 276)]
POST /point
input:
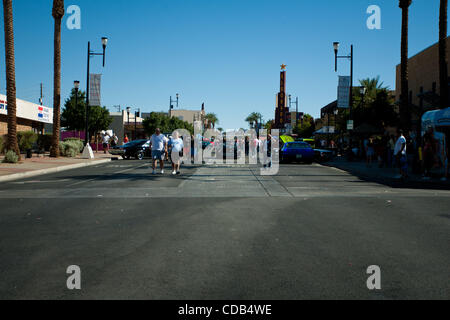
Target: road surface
[(221, 232)]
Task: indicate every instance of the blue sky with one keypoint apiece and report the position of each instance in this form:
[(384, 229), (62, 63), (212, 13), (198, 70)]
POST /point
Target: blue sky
[(225, 53)]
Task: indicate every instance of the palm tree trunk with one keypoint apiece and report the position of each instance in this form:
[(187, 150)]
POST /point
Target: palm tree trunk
[(58, 13), (404, 97), (443, 62), (10, 77)]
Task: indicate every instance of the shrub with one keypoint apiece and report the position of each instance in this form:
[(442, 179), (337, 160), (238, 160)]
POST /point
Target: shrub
[(45, 142), (11, 157), (69, 149), (76, 141), (26, 140)]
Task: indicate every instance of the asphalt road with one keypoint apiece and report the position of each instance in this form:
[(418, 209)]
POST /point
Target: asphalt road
[(221, 232)]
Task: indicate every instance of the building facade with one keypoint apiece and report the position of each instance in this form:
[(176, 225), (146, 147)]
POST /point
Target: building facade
[(131, 126), (423, 74), (30, 116), (188, 115)]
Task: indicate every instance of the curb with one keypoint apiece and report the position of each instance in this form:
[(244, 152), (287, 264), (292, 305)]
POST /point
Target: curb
[(34, 173)]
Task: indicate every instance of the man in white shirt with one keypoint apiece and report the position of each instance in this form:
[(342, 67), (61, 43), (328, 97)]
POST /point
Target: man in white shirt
[(400, 154), (158, 144), (177, 146)]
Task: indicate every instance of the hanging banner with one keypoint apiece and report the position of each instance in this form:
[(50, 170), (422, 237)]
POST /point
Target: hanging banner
[(344, 92), (94, 90)]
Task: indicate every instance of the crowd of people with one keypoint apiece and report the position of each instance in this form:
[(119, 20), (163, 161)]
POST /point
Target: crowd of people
[(427, 155)]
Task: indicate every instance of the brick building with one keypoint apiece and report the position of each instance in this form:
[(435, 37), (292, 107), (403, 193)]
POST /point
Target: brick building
[(30, 116)]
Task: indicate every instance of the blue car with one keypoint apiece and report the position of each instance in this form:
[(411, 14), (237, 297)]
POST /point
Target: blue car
[(297, 152)]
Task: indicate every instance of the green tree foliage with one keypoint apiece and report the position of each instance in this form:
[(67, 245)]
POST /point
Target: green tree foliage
[(73, 116), (165, 123), (253, 118), (376, 107), (305, 128), (212, 118), (99, 119)]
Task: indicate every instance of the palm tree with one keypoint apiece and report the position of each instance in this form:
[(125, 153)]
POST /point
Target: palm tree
[(373, 87), (443, 72), (253, 119), (10, 77), (57, 13), (404, 99), (212, 119)]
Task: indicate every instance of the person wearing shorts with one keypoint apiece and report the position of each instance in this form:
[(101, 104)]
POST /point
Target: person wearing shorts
[(177, 146), (158, 144)]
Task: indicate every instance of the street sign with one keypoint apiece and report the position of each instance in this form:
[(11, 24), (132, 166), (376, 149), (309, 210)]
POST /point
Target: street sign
[(350, 125), (344, 92)]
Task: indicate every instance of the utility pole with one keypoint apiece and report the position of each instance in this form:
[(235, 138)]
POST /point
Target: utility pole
[(41, 99), (41, 102)]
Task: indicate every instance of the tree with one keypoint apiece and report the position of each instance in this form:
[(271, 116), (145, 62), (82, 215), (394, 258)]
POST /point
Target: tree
[(306, 128), (57, 13), (443, 62), (212, 119), (12, 144), (253, 119), (99, 119), (165, 123), (73, 116), (404, 96), (376, 107), (269, 125)]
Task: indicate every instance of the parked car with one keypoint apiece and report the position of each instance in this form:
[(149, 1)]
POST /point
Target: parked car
[(138, 149), (297, 151), (311, 142), (322, 155)]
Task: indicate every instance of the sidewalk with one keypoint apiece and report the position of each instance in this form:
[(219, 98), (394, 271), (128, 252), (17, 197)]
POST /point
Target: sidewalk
[(386, 176), (39, 165)]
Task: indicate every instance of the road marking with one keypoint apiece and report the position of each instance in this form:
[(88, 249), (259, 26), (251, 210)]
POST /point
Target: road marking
[(118, 172), (39, 181)]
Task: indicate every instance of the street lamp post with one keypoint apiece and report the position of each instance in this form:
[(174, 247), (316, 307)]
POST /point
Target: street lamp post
[(362, 91), (171, 101), (136, 115), (89, 55), (128, 118), (350, 57), (76, 85), (296, 108)]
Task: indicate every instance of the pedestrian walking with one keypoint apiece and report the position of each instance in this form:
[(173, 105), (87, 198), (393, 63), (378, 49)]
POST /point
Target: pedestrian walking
[(390, 149), (114, 141), (370, 152), (429, 152), (158, 144), (400, 154), (176, 145), (105, 141), (126, 140)]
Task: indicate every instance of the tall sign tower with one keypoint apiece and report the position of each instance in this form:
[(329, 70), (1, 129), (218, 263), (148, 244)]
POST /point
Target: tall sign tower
[(282, 110)]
